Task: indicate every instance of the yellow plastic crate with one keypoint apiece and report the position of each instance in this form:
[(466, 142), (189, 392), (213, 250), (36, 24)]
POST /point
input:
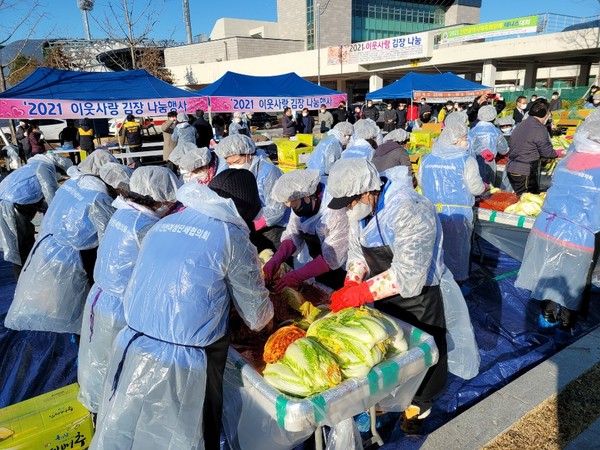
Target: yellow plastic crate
[(422, 138), (51, 421), (292, 153), (286, 169)]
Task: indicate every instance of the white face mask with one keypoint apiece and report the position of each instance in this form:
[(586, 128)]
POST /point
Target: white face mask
[(305, 114), (359, 212), (323, 111), (197, 177), (506, 131), (521, 107)]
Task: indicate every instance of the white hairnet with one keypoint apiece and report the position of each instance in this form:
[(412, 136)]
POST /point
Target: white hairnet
[(503, 121), (195, 159), (453, 132), (159, 183), (456, 117), (365, 129), (345, 127), (237, 144), (92, 164), (353, 176), (487, 113), (397, 135), (116, 175), (182, 117), (181, 149), (296, 184)]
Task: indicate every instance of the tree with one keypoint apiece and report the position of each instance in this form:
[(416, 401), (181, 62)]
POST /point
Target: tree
[(16, 15), (132, 27), (21, 67), (57, 58)]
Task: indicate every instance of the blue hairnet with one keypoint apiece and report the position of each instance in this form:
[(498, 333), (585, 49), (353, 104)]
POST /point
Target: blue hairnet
[(159, 183), (296, 184), (237, 144)]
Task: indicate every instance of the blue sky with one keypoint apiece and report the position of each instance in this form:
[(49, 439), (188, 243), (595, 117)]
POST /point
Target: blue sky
[(63, 19)]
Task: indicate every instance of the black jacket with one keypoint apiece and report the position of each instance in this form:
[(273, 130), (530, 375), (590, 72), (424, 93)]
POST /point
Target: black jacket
[(340, 115), (85, 136), (288, 125), (518, 115), (401, 118), (205, 132), (391, 154), (370, 113), (474, 109), (69, 134), (305, 124), (529, 142)]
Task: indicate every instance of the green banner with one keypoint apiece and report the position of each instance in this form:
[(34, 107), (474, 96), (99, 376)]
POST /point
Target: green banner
[(520, 25)]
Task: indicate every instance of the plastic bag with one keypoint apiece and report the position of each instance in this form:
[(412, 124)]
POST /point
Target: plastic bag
[(463, 353), (344, 436)]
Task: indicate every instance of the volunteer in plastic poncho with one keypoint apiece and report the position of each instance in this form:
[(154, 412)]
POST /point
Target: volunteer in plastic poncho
[(58, 273), (196, 164), (23, 193), (329, 149), (395, 261), (561, 248), (366, 138), (449, 177), (152, 193), (239, 152), (164, 385), (486, 141), (324, 232)]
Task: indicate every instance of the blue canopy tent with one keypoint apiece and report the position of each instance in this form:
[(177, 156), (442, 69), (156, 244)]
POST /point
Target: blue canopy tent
[(437, 88), (53, 93), (239, 92)]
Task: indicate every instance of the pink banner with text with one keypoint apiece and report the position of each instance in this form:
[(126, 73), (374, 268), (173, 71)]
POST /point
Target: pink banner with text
[(231, 104), (70, 109)]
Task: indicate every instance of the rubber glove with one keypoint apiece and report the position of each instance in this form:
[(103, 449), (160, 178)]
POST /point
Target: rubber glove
[(560, 153), (349, 297), (260, 223), (286, 249), (293, 279), (487, 155)]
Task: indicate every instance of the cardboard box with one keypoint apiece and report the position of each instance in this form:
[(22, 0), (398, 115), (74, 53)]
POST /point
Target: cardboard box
[(52, 421), (292, 153)]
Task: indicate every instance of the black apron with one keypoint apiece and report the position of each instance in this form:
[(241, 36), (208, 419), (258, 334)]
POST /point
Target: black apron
[(334, 278), (424, 311)]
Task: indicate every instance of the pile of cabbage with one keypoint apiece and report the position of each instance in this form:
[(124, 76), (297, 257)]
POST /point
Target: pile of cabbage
[(341, 345), (528, 205)]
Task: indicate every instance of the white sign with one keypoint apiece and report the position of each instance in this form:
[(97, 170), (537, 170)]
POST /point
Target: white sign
[(409, 47)]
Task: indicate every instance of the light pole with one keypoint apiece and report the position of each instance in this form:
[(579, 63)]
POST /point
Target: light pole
[(85, 6), (319, 44)]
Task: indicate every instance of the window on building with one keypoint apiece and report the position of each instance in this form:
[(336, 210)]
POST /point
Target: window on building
[(310, 24), (377, 19)]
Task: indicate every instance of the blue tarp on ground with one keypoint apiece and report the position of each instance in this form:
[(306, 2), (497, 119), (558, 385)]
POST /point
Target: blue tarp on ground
[(412, 81), (45, 83), (287, 85), (504, 320)]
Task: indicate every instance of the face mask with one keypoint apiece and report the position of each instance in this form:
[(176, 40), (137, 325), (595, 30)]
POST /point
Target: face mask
[(237, 120), (305, 209), (401, 107), (201, 177), (304, 114), (522, 106), (506, 131), (323, 111), (389, 107), (359, 212), (449, 108)]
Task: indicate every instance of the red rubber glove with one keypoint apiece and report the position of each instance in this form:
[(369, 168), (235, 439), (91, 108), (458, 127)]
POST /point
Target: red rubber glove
[(560, 153), (487, 155), (286, 249), (349, 297), (293, 279), (260, 223), (486, 186), (350, 283)]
